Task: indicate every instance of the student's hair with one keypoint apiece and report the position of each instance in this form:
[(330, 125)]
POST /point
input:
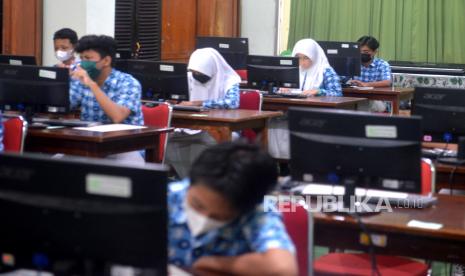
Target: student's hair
[(102, 44), (368, 41), (240, 172), (66, 33)]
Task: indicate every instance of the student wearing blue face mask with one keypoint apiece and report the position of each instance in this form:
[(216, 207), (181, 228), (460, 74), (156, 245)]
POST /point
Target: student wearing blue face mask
[(217, 223)]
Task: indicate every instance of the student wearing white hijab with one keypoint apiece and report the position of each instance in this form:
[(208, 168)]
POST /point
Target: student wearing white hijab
[(317, 77), (212, 84)]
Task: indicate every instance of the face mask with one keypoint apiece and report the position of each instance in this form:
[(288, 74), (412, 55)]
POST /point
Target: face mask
[(63, 55), (366, 58), (201, 78), (198, 223), (91, 68)]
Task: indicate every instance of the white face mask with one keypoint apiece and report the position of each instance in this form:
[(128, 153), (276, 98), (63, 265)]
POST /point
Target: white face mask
[(64, 55), (198, 223)]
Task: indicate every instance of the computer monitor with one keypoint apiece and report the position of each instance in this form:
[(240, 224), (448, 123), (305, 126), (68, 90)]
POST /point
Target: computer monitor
[(270, 72), (233, 49), (32, 89), (59, 214), (443, 113), (355, 149), (123, 54), (160, 80), (17, 60), (344, 57)]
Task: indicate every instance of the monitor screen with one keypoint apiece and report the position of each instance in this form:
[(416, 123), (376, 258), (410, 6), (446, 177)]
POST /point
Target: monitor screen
[(233, 49), (264, 72), (17, 60), (64, 212), (336, 147), (160, 80), (34, 88), (344, 57), (443, 113)]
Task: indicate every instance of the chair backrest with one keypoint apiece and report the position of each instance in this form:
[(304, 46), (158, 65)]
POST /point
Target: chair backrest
[(296, 223), (250, 99), (428, 177), (159, 116), (242, 73), (14, 133)]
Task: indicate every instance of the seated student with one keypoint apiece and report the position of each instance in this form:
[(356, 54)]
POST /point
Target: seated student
[(64, 42), (317, 77), (103, 93), (216, 222), (212, 84), (375, 72)]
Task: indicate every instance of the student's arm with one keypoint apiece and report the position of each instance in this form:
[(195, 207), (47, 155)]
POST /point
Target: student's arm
[(230, 100), (331, 85), (274, 262), (114, 111), (384, 77)]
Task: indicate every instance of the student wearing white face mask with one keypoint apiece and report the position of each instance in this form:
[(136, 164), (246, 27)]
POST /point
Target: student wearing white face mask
[(64, 42), (217, 223)]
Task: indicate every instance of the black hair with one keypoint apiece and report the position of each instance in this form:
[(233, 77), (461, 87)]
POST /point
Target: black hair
[(241, 172), (102, 44), (368, 41), (66, 33)]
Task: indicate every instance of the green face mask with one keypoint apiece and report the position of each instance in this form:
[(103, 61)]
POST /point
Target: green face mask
[(91, 68)]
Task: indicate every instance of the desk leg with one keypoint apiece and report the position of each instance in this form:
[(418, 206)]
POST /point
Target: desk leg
[(151, 154), (264, 136), (395, 106)]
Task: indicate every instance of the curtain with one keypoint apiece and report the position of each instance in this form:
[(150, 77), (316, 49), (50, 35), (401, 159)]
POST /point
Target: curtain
[(409, 30)]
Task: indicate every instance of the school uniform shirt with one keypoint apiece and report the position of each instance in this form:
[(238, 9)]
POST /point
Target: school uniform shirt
[(378, 70), (331, 85), (257, 231), (229, 101), (121, 88)]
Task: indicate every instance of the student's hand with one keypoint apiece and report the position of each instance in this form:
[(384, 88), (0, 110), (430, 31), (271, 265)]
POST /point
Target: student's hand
[(208, 265), (192, 103), (358, 83), (311, 92), (82, 76)]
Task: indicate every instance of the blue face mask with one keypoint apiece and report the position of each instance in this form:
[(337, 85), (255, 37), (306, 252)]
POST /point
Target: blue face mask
[(91, 68)]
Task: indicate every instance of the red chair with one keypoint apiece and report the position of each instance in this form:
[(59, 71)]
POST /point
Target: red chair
[(251, 100), (242, 74), (14, 133), (428, 177), (353, 264), (159, 116)]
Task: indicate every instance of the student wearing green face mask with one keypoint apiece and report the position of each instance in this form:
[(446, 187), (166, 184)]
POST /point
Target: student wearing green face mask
[(103, 93)]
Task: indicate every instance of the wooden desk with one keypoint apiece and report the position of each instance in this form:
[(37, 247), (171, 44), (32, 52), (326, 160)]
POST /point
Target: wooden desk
[(221, 123), (283, 104), (95, 144), (446, 244), (391, 94)]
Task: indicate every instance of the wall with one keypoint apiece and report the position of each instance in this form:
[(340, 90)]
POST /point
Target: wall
[(83, 16), (259, 24)]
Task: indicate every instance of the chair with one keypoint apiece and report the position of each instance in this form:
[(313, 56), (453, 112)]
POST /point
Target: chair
[(251, 100), (242, 74), (428, 177), (14, 133), (159, 116), (353, 264)]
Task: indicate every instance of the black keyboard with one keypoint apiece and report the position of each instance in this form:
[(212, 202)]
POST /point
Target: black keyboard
[(65, 122), (438, 153), (286, 95)]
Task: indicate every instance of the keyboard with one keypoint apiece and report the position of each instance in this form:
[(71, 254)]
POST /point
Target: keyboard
[(179, 107), (65, 122), (286, 95), (438, 153)]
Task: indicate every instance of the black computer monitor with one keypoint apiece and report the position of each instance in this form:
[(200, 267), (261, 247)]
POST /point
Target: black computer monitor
[(34, 89), (17, 60), (269, 72), (355, 149), (123, 54), (344, 57), (443, 113), (60, 214), (233, 49), (160, 80)]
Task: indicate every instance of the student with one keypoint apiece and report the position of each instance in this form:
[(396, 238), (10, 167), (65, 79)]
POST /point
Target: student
[(103, 93), (317, 77), (375, 72), (216, 224), (212, 84), (64, 42)]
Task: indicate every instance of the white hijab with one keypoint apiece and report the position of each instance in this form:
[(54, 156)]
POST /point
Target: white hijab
[(312, 77), (209, 62)]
